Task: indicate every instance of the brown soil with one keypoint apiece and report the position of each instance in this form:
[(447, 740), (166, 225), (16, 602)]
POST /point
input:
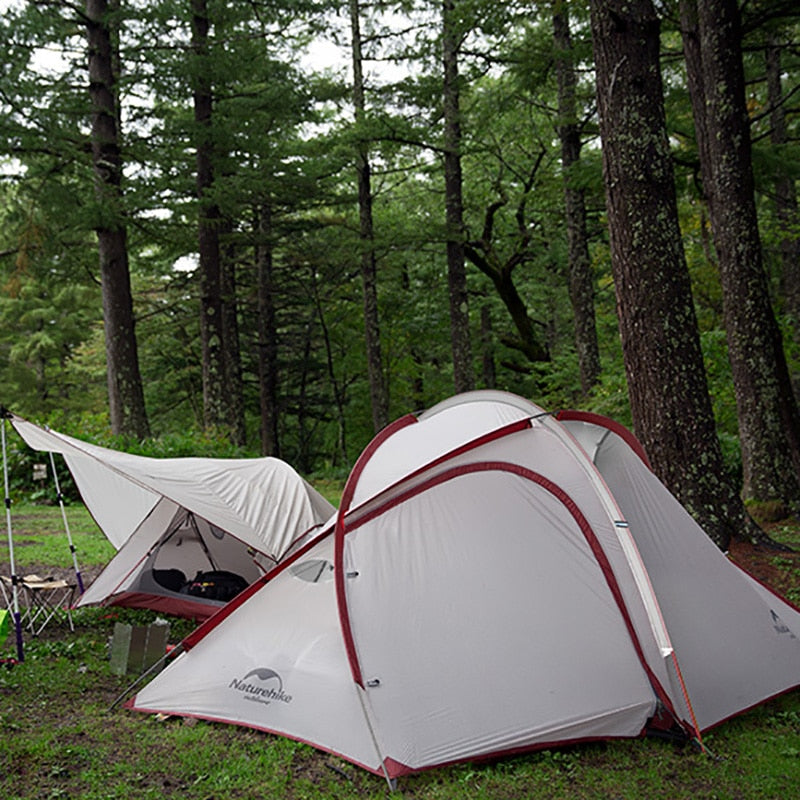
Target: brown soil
[(778, 569)]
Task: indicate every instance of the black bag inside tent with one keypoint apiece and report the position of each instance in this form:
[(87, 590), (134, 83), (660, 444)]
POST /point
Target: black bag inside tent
[(215, 585)]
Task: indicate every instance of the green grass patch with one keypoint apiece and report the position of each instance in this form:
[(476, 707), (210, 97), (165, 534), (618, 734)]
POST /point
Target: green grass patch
[(330, 487), (40, 537)]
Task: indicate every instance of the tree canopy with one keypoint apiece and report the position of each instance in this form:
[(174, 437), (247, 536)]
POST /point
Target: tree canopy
[(312, 250)]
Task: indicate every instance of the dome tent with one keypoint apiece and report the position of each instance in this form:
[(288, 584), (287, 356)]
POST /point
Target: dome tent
[(172, 518), (496, 580)]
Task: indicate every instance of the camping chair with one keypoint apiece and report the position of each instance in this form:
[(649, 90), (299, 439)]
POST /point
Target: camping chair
[(47, 599)]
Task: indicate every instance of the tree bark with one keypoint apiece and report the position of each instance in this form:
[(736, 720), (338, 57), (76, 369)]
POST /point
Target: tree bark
[(785, 201), (267, 337), (769, 422), (125, 391), (581, 283), (487, 350), (377, 383), (231, 347), (670, 404), (463, 376), (209, 221), (500, 270), (527, 341)]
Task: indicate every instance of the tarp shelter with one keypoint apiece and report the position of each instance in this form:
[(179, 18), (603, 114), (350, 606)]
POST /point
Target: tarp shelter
[(172, 518), (496, 580)]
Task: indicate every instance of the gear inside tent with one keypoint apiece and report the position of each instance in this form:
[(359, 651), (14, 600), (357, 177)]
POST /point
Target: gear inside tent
[(496, 580), (191, 533)]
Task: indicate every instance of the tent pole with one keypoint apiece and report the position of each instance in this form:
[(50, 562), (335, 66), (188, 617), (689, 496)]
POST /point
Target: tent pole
[(5, 414), (72, 548), (361, 692), (202, 541)]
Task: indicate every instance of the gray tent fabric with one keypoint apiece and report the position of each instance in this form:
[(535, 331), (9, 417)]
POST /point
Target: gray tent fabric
[(495, 580), (728, 629), (237, 516)]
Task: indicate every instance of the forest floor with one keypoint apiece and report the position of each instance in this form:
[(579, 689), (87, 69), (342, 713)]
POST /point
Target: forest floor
[(778, 569)]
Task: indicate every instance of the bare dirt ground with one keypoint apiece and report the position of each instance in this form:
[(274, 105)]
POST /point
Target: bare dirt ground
[(780, 570)]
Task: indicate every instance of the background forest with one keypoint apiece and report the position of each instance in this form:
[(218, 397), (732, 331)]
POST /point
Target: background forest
[(271, 227)]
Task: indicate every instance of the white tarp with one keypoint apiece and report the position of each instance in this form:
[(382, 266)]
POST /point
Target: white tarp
[(262, 503)]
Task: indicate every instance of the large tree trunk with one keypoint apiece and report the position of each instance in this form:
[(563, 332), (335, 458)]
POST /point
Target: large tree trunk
[(671, 409), (267, 338), (209, 221), (377, 382), (581, 283), (125, 392), (769, 422), (463, 377), (785, 201)]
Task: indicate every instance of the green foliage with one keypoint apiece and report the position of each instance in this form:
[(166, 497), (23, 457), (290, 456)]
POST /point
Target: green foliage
[(284, 139)]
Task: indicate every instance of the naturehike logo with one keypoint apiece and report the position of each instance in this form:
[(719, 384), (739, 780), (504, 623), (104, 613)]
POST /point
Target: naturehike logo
[(780, 625), (261, 686)]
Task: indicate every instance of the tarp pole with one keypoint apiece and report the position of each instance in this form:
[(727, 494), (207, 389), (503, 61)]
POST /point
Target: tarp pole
[(14, 577), (72, 547)]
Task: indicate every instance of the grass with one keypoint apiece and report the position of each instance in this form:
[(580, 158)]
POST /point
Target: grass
[(59, 738), (40, 537)]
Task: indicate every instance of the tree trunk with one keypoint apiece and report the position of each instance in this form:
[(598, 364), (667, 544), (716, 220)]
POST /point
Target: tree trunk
[(231, 349), (487, 349), (500, 269), (785, 202), (377, 383), (581, 283), (338, 387), (463, 377), (125, 392), (527, 341), (267, 338), (418, 358), (769, 422), (671, 408), (209, 220), (304, 462)]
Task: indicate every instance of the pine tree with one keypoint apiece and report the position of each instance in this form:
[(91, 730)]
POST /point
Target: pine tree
[(664, 364)]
